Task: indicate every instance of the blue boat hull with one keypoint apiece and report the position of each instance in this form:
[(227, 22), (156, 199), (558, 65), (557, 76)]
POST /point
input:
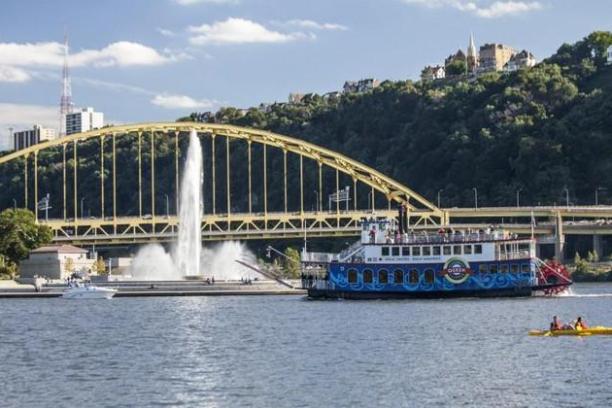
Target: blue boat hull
[(340, 294), (513, 278)]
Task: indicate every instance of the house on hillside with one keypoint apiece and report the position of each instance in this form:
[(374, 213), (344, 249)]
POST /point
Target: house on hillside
[(523, 59), (363, 85), (433, 72), (296, 97)]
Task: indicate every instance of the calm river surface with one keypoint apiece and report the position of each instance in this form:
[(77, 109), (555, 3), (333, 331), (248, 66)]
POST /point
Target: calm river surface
[(274, 351)]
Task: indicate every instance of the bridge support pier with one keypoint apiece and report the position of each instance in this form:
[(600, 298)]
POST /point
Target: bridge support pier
[(559, 239), (598, 245)]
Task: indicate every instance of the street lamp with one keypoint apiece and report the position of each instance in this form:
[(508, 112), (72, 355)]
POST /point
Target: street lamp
[(82, 212), (518, 197), (317, 207), (14, 204), (439, 191), (566, 196), (475, 197), (167, 206)]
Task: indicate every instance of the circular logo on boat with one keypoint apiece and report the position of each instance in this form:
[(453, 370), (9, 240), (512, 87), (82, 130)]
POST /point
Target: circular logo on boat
[(456, 270)]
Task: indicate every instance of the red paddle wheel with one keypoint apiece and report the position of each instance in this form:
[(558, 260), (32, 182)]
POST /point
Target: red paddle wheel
[(554, 277)]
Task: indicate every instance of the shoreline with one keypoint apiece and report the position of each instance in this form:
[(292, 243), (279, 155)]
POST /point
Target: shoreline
[(160, 293), (14, 290)]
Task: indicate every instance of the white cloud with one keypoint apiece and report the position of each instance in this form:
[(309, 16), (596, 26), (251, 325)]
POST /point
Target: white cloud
[(51, 54), (122, 53), (165, 32), (13, 74), (22, 116), (170, 101), (483, 8), (313, 25), (192, 2), (238, 31), (503, 8)]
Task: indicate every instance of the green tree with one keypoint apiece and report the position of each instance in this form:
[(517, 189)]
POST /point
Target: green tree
[(99, 266), (456, 68), (292, 263), (19, 234)]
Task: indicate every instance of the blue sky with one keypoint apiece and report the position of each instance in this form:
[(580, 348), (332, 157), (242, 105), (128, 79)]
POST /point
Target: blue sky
[(144, 60)]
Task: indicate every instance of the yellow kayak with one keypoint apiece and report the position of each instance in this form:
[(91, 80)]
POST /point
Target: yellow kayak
[(596, 330)]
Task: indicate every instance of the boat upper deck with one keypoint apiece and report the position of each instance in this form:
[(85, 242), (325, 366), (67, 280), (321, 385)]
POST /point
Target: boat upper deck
[(386, 232)]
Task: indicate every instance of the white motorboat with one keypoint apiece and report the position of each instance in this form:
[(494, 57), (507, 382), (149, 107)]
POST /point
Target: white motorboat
[(88, 292)]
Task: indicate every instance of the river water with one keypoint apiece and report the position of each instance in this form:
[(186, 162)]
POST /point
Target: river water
[(284, 351)]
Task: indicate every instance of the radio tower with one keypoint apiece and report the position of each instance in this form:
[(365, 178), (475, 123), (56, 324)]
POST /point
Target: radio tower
[(66, 99)]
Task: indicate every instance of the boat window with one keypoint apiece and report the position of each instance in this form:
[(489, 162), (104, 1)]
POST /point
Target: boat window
[(436, 250), (426, 251), (414, 276), (383, 276), (367, 276), (503, 268), (352, 276), (467, 249), (493, 268), (447, 250), (525, 268), (457, 250), (395, 251), (398, 277), (416, 251), (514, 268), (405, 251), (478, 249), (385, 251), (429, 276), (483, 268)]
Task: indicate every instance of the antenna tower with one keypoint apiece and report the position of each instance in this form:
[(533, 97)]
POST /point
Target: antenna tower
[(66, 99)]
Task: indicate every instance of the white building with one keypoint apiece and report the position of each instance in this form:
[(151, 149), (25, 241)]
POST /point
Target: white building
[(433, 72), (523, 59), (610, 55), (56, 262), (295, 97), (37, 134), (83, 121), (363, 85)]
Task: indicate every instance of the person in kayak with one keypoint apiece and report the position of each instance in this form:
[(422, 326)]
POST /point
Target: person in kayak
[(556, 324), (580, 324)]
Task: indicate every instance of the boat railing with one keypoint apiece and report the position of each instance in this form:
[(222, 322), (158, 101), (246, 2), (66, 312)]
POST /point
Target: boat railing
[(444, 238), (316, 281), (350, 251), (318, 257), (521, 254)]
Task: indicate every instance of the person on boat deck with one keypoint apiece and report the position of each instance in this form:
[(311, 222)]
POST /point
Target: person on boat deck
[(580, 324), (556, 324)]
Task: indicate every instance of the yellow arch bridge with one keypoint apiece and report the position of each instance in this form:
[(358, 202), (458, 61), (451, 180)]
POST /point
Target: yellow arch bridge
[(120, 185)]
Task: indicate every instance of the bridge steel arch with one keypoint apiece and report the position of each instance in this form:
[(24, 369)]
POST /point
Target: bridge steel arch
[(217, 226)]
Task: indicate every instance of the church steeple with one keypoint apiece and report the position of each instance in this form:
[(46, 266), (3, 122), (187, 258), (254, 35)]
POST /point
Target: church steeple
[(472, 55)]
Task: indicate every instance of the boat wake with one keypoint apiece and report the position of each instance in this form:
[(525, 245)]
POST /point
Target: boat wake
[(570, 293)]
